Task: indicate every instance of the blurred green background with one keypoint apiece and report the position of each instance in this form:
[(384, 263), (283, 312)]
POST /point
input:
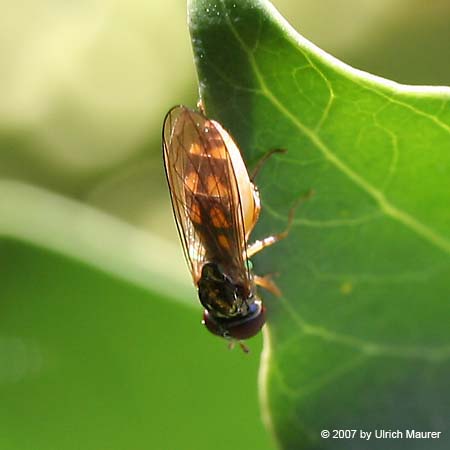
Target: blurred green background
[(100, 338)]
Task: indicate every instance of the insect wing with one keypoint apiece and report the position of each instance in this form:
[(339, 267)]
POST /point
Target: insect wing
[(176, 154), (204, 192)]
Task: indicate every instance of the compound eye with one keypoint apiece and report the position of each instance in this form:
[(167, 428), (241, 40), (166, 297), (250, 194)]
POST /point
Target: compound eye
[(237, 328), (213, 324)]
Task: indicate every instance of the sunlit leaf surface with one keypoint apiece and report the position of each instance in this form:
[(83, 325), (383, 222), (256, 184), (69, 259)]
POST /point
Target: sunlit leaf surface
[(361, 338)]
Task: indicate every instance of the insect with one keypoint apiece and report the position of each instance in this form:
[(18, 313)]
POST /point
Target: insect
[(216, 207)]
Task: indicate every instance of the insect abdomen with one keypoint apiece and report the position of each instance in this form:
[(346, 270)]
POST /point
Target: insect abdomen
[(208, 200)]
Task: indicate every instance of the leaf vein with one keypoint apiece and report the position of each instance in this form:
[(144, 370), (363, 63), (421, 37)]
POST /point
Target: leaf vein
[(367, 347), (413, 109), (386, 207), (327, 223)]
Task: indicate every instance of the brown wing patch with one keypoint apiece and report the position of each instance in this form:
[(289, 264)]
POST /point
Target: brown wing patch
[(195, 213), (191, 180), (218, 218), (216, 187), (223, 241)]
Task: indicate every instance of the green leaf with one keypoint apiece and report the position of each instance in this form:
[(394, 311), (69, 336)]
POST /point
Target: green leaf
[(92, 343), (361, 338)]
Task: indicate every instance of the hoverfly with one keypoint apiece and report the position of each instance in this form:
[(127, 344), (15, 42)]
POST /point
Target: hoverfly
[(216, 207)]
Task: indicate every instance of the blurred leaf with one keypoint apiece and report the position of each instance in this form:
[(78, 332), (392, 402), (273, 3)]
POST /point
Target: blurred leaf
[(48, 220), (361, 338), (96, 349), (84, 86), (403, 40), (88, 361)]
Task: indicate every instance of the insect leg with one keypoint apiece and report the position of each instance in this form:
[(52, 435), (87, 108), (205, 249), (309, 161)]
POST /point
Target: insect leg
[(267, 283), (232, 344), (257, 246), (262, 161), (244, 348), (201, 106)]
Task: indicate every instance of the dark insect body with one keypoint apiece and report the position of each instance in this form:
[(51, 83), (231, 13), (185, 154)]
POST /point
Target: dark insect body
[(216, 206)]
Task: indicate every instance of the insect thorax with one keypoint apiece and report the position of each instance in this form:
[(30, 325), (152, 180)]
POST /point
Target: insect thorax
[(219, 295)]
